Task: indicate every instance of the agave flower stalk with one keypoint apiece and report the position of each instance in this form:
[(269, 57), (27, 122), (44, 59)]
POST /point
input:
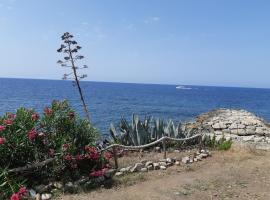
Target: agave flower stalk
[(70, 49)]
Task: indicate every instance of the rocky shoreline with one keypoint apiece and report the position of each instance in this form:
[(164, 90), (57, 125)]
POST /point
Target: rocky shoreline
[(237, 125)]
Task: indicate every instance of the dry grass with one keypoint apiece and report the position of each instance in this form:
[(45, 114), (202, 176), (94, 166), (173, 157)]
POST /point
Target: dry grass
[(241, 173)]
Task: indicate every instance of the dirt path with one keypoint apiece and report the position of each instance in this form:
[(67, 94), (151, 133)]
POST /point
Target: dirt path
[(236, 174)]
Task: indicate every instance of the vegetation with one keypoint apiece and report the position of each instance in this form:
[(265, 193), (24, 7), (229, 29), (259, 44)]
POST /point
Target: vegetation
[(70, 48), (58, 136), (225, 145), (140, 132), (222, 144)]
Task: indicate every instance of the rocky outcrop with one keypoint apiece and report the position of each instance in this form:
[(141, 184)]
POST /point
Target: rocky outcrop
[(237, 125)]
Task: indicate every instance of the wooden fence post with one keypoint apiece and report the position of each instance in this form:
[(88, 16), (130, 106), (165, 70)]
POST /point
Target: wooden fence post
[(164, 148), (115, 157)]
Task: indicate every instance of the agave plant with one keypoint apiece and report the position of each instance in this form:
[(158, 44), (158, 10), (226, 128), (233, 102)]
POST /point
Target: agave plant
[(140, 132), (134, 134)]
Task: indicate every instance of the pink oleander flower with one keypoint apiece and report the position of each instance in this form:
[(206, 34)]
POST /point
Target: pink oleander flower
[(34, 117), (51, 152), (108, 155), (2, 140), (8, 121), (11, 116), (15, 196), (68, 157), (2, 128), (48, 111), (22, 191), (32, 134), (79, 157), (92, 153), (98, 173), (65, 146)]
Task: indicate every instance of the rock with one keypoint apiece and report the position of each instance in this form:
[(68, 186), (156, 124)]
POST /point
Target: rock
[(123, 170), (58, 185), (119, 173), (250, 131), (218, 133), (150, 167), (195, 159), (148, 163), (233, 126), (177, 163), (203, 155), (185, 159), (162, 163), (227, 131), (227, 137), (248, 138), (156, 166), (137, 167), (128, 168), (190, 160), (176, 151), (70, 187), (259, 139), (38, 196), (144, 169), (46, 196), (32, 193), (163, 167), (158, 149), (169, 160), (199, 157), (219, 126), (260, 131)]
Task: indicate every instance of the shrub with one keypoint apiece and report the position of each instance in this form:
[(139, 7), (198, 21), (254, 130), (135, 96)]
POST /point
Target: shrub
[(27, 138), (141, 132), (225, 145)]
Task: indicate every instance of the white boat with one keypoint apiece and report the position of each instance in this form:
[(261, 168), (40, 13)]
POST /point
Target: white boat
[(181, 87)]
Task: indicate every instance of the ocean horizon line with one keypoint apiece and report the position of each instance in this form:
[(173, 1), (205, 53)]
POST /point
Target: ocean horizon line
[(137, 83)]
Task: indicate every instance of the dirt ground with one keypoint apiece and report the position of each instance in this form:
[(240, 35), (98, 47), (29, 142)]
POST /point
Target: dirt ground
[(240, 173)]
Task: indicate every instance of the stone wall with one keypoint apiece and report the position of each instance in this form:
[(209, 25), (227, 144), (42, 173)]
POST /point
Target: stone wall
[(238, 125)]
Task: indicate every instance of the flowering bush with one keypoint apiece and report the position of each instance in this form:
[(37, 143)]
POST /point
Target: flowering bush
[(27, 138)]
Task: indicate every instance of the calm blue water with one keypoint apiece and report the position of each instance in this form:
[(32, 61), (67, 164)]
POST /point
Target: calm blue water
[(109, 101)]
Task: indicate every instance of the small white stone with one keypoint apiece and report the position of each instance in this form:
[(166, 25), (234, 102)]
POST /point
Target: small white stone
[(123, 170), (177, 163), (185, 159), (46, 196), (118, 173), (156, 166), (163, 167), (144, 169), (32, 193)]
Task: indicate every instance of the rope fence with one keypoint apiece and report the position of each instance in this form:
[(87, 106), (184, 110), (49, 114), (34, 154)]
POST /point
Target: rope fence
[(114, 147)]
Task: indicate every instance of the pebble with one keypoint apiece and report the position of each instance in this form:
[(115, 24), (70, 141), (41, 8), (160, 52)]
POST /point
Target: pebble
[(177, 163), (156, 166), (144, 169), (185, 159), (163, 167), (118, 173), (46, 196)]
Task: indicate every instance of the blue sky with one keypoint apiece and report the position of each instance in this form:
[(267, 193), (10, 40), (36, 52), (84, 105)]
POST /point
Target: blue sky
[(210, 42)]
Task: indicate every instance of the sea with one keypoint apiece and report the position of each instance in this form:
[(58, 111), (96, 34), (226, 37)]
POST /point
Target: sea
[(108, 102)]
